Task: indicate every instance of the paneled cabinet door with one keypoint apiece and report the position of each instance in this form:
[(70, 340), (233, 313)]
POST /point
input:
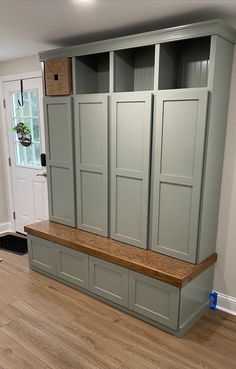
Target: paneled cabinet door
[(154, 299), (91, 143), (131, 115), (179, 137), (109, 281), (42, 254), (72, 266), (60, 166)]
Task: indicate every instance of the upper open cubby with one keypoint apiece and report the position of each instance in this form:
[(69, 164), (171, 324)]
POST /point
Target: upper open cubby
[(184, 64), (92, 73), (134, 69)]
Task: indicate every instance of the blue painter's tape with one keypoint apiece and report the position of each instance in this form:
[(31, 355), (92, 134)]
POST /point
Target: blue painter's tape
[(213, 300)]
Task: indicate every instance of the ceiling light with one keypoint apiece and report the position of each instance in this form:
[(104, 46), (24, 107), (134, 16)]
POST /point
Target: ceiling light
[(83, 1)]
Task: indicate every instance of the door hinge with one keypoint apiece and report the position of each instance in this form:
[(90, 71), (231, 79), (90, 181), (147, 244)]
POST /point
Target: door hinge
[(4, 103), (9, 162), (14, 215)]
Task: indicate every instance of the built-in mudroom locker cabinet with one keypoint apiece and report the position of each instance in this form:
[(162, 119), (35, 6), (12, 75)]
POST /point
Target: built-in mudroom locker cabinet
[(136, 152), (135, 145)]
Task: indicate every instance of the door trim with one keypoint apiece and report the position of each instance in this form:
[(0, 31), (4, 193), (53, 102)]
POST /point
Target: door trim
[(5, 143)]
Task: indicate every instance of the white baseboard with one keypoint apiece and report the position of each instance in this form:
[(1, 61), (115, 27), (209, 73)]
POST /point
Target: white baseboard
[(5, 227), (226, 303)]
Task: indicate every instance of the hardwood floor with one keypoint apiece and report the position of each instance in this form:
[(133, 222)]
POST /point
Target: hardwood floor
[(46, 325)]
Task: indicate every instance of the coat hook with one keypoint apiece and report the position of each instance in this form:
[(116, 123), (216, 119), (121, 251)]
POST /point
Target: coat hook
[(21, 103)]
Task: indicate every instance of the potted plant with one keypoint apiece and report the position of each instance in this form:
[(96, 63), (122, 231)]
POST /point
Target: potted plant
[(23, 133)]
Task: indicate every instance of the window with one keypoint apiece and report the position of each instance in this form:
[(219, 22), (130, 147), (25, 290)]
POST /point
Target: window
[(28, 114)]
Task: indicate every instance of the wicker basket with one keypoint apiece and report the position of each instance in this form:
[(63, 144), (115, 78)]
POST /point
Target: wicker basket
[(58, 77)]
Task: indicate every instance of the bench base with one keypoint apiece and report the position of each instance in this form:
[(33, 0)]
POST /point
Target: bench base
[(170, 308)]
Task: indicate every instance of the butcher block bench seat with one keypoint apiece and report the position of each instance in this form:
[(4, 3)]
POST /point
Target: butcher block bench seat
[(152, 264), (169, 293)]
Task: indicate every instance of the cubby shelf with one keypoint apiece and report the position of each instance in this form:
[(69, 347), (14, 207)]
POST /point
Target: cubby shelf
[(184, 64), (92, 73), (134, 69)]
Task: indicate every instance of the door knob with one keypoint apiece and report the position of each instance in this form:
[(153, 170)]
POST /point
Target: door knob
[(44, 174)]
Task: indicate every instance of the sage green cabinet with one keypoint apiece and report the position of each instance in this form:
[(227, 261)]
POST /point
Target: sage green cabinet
[(131, 115), (91, 145), (60, 160), (42, 254), (179, 138), (72, 266), (108, 280), (172, 208), (154, 299)]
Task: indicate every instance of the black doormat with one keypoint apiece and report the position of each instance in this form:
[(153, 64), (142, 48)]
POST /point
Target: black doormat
[(15, 244)]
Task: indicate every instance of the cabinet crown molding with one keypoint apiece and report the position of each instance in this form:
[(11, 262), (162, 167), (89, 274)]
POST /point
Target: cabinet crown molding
[(199, 29)]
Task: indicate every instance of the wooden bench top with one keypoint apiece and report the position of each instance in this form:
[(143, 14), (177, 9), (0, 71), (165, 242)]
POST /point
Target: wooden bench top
[(152, 264)]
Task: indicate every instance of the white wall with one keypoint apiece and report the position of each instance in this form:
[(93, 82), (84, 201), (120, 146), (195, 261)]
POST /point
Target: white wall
[(11, 67), (22, 65), (225, 270)]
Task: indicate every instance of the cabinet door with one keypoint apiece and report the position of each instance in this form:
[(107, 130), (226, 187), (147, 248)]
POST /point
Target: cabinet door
[(154, 299), (130, 157), (179, 137), (60, 169), (108, 280), (72, 266), (42, 254), (91, 120)]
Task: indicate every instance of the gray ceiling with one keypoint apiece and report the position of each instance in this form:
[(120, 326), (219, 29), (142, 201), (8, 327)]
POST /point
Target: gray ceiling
[(30, 26)]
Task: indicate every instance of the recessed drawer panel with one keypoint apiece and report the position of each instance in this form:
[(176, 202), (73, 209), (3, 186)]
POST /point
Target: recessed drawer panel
[(72, 266), (154, 299), (42, 254), (108, 280)]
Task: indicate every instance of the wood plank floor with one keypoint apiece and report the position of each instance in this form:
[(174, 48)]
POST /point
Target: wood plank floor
[(46, 325)]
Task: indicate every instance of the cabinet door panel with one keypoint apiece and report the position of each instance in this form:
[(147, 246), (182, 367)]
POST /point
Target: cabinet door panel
[(154, 299), (108, 280), (128, 194), (58, 136), (175, 210), (91, 132), (60, 161), (42, 254), (179, 137), (60, 183), (130, 156), (92, 200), (72, 266)]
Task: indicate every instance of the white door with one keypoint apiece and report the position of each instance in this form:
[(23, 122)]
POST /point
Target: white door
[(28, 181)]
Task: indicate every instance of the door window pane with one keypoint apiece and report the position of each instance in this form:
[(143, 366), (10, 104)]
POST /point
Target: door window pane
[(37, 152), (35, 132), (29, 156), (21, 154), (34, 104), (29, 115)]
